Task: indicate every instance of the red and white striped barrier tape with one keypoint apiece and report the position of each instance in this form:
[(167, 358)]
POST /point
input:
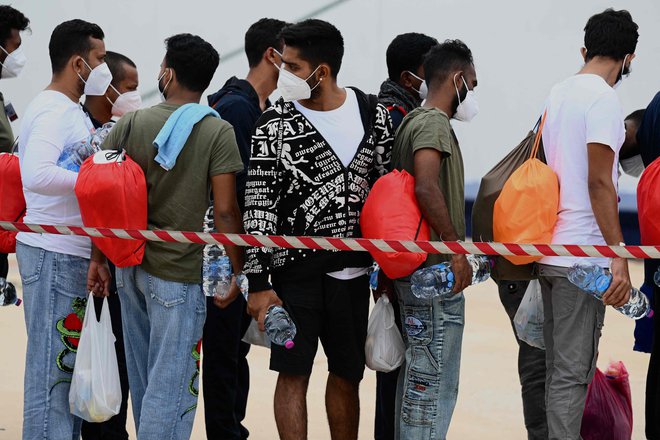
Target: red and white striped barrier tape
[(346, 244)]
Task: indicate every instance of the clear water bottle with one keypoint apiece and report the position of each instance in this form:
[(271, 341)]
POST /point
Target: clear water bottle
[(8, 295), (99, 135), (216, 272), (243, 285), (279, 327), (74, 155), (595, 281), (438, 280)]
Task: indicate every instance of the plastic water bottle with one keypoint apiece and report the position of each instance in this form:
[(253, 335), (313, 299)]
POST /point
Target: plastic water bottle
[(74, 155), (279, 327), (595, 281), (216, 272), (438, 280), (243, 285), (8, 294)]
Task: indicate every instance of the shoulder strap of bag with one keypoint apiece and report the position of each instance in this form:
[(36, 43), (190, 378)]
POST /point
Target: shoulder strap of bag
[(14, 146), (537, 139)]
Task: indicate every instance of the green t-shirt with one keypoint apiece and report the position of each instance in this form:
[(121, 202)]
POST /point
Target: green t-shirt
[(6, 135), (430, 128), (178, 198)]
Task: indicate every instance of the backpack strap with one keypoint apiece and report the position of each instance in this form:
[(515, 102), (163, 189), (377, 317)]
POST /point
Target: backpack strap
[(537, 139)]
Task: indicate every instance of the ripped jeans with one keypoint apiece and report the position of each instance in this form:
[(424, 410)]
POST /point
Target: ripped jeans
[(428, 382)]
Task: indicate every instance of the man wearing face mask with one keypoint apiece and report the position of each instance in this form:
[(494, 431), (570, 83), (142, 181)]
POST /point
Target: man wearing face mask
[(427, 148), (405, 88), (226, 375), (402, 92), (54, 268), (121, 97), (163, 307), (630, 157), (582, 136), (315, 155), (12, 60)]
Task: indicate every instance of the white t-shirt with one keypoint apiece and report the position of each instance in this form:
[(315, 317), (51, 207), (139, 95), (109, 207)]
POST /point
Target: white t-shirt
[(342, 127), (51, 122), (343, 131), (580, 110)]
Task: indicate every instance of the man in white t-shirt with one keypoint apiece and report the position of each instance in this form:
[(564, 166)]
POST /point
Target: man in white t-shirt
[(54, 268), (582, 136)]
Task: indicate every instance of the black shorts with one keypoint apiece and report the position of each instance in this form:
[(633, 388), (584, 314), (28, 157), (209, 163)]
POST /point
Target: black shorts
[(334, 311)]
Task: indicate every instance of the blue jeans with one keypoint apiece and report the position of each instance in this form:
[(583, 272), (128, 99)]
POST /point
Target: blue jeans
[(162, 322), (428, 382), (54, 294)]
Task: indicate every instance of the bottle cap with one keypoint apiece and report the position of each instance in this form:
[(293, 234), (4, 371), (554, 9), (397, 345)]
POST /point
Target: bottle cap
[(20, 301), (650, 313), (289, 344)]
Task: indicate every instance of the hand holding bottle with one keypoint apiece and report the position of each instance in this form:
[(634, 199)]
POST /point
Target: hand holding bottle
[(618, 293)]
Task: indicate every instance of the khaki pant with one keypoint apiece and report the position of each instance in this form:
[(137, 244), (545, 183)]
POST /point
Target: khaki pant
[(572, 329)]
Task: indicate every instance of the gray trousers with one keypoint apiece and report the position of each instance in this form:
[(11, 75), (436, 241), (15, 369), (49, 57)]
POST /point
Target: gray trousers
[(572, 329), (531, 365)]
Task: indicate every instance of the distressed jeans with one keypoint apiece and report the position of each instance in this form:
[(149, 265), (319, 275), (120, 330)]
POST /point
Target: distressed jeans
[(162, 322), (428, 382), (54, 295)]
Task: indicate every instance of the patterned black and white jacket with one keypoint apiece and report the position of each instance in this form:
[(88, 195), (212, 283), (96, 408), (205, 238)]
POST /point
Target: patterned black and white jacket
[(297, 185)]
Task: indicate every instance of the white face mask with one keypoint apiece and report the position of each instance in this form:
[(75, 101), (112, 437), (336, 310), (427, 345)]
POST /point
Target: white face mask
[(98, 81), (468, 108), (423, 88), (633, 166), (162, 92), (623, 68), (14, 62), (125, 103), (294, 88)]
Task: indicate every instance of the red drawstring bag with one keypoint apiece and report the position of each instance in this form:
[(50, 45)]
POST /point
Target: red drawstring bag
[(608, 411), (12, 200), (648, 204), (112, 193), (391, 212)]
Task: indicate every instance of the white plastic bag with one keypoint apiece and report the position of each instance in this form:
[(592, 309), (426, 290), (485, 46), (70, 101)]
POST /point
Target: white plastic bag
[(384, 349), (95, 393), (254, 336), (529, 317)]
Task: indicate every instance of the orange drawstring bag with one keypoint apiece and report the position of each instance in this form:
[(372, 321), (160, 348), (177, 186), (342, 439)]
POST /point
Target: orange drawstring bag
[(526, 210)]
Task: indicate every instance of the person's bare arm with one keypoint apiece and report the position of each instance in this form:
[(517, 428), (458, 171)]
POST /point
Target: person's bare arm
[(227, 218), (604, 202), (432, 203), (98, 274)]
